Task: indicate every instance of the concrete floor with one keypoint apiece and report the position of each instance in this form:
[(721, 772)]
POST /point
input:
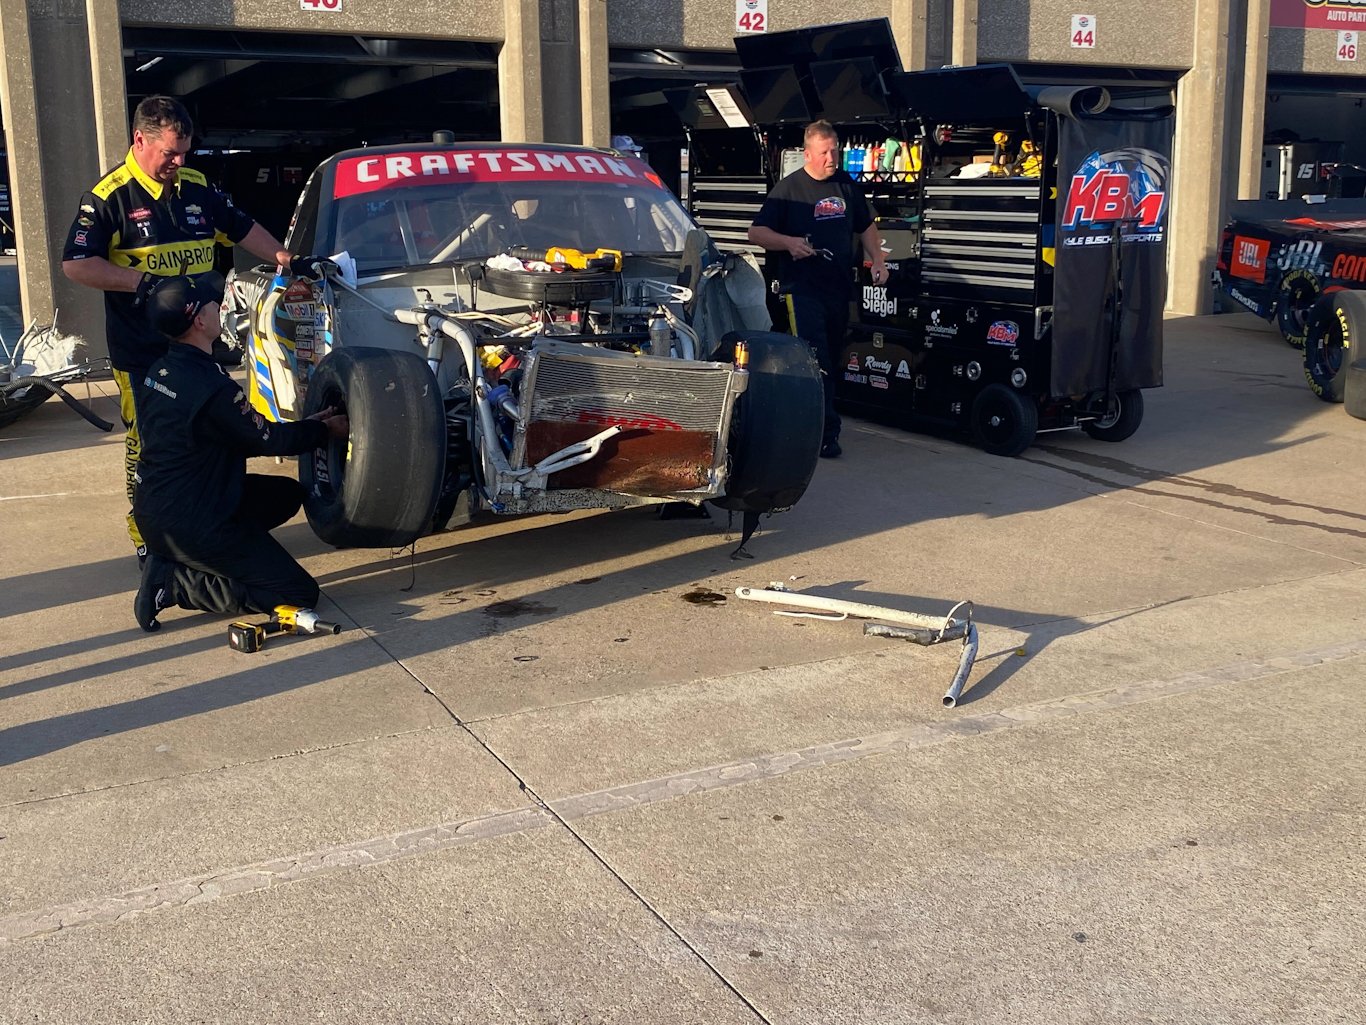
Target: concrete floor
[(531, 783)]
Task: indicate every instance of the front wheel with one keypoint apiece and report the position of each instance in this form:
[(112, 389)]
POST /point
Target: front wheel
[(1121, 419), (1004, 422), (775, 434), (377, 489)]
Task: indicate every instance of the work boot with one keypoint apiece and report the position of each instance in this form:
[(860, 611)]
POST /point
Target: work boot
[(831, 449), (154, 591)]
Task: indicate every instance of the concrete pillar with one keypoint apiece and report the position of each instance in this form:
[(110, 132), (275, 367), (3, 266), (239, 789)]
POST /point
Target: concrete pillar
[(561, 81), (594, 77), (964, 49), (520, 105), (910, 29), (1254, 100), (27, 199), (107, 79), (1197, 161)]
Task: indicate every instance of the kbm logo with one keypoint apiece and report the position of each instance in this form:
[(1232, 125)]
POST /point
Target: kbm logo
[(1122, 185), (1003, 332)]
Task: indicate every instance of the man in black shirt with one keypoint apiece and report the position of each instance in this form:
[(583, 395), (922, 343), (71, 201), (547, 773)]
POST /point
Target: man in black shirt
[(147, 218), (810, 219), (206, 520)]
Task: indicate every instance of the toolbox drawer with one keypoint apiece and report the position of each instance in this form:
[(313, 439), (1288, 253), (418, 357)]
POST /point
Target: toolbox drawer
[(980, 240)]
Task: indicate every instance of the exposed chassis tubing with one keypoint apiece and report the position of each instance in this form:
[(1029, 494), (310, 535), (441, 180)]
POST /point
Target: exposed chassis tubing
[(434, 324), (922, 629)]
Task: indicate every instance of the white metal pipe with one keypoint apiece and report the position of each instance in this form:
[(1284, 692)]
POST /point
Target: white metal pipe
[(850, 608)]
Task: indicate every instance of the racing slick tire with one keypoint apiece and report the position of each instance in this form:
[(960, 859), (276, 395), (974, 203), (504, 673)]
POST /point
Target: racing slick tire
[(378, 488), (775, 433), (1354, 399), (1337, 324), (1295, 297), (1004, 422), (1121, 420)]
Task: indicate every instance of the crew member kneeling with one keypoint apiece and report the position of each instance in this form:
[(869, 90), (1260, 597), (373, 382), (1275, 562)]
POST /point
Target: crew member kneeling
[(206, 520)]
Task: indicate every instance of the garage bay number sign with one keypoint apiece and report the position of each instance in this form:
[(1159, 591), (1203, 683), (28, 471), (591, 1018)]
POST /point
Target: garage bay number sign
[(751, 15), (320, 5)]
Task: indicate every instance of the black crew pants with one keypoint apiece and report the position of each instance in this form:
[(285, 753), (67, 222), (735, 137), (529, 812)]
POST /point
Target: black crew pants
[(236, 566), (822, 321)]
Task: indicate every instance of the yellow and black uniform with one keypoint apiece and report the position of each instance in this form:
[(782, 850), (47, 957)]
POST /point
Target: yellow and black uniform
[(133, 220)]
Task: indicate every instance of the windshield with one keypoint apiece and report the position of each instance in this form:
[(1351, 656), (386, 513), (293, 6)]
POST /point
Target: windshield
[(457, 221)]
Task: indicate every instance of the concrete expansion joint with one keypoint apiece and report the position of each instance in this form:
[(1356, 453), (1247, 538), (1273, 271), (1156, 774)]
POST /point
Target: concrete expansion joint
[(631, 796)]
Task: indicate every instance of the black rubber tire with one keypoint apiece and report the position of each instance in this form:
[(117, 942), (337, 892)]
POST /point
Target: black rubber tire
[(12, 409), (1337, 326), (1299, 290), (775, 435), (1121, 421), (379, 488), (1004, 422), (1354, 395)]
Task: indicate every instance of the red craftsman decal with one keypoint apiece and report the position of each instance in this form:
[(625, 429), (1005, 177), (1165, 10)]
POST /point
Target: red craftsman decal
[(361, 174)]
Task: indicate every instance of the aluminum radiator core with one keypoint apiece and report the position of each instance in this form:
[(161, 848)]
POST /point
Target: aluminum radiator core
[(673, 414)]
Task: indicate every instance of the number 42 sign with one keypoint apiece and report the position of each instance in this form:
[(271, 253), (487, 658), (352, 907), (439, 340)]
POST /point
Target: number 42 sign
[(751, 15), (1084, 31)]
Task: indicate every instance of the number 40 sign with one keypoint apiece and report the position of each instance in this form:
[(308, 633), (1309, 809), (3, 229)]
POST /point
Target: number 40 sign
[(751, 15), (1084, 31)]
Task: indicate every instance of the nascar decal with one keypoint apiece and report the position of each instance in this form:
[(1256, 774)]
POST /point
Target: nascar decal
[(1125, 185), (829, 208), (355, 175)]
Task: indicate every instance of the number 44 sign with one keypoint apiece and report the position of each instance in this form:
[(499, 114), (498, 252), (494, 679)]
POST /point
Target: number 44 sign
[(320, 5), (1084, 31), (1347, 46), (751, 15)]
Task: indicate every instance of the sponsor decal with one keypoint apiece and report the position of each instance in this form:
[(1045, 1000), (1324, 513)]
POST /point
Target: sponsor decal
[(158, 386), (828, 208), (86, 208), (80, 238), (355, 175), (1301, 255), (903, 370), (300, 311), (85, 222), (320, 318), (171, 258), (1124, 185), (853, 362), (631, 421), (194, 209), (299, 291), (882, 366), (856, 378), (939, 327), (142, 213), (258, 421), (1249, 258), (303, 332), (194, 222), (878, 382), (877, 340), (1003, 332), (971, 315), (875, 301), (1349, 267), (1318, 14), (1243, 300)]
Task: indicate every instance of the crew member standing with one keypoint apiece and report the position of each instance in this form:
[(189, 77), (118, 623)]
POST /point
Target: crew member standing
[(147, 218), (811, 218), (205, 519)]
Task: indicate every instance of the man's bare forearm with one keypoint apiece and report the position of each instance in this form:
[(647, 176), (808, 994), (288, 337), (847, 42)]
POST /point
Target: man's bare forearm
[(97, 272)]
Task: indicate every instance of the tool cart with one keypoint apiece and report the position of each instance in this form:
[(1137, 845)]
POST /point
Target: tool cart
[(1025, 228)]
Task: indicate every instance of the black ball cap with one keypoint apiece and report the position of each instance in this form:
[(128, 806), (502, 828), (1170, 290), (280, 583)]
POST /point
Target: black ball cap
[(175, 302)]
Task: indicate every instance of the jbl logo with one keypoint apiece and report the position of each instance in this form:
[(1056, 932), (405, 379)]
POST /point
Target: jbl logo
[(1249, 255)]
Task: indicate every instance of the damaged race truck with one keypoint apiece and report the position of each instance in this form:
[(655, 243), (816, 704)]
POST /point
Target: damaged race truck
[(521, 329)]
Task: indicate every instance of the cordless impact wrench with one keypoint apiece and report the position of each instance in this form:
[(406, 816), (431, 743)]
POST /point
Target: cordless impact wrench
[(286, 619)]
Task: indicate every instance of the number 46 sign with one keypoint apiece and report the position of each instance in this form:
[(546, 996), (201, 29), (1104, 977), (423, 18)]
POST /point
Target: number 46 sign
[(320, 5), (1084, 31), (751, 15), (1347, 46)]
